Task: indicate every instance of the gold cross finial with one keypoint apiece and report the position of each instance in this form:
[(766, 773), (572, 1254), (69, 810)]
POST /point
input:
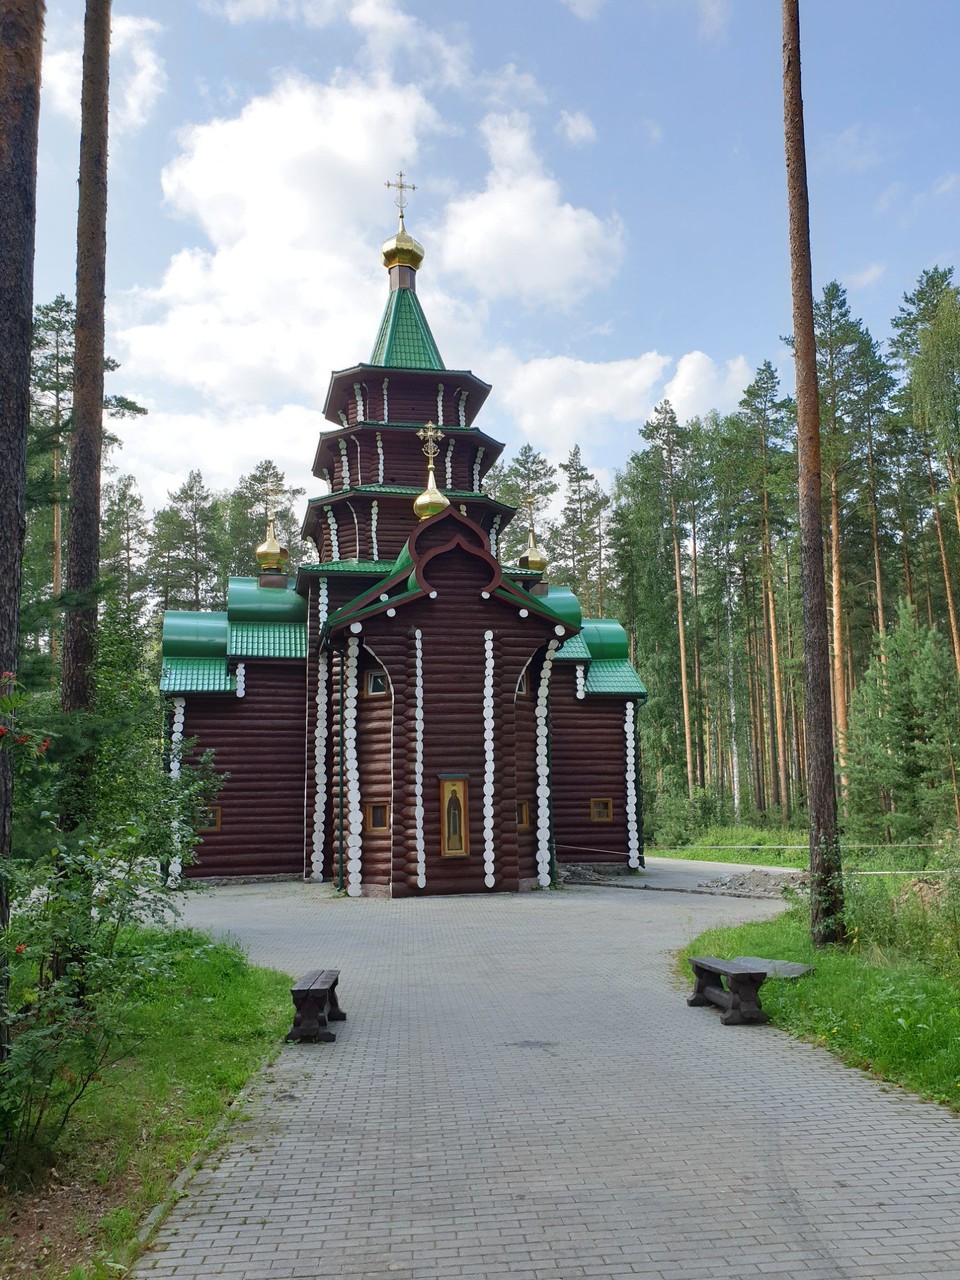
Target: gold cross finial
[(401, 186), (431, 438)]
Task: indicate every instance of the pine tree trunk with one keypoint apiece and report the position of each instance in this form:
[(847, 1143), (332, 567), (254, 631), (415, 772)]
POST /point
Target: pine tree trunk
[(779, 708), (86, 440), (684, 687), (21, 44), (732, 701), (945, 564), (697, 676), (875, 539), (839, 648), (826, 887)]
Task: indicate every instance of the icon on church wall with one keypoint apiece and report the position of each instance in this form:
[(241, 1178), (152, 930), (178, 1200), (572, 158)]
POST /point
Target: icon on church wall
[(454, 836)]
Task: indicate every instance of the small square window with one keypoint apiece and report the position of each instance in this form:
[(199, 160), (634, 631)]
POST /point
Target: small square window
[(375, 684), (523, 813), (376, 816), (211, 820), (523, 684), (601, 810)]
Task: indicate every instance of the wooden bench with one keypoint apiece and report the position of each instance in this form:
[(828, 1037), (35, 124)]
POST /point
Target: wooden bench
[(740, 998), (315, 1004)]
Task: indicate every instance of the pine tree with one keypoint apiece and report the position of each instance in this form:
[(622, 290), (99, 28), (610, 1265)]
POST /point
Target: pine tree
[(578, 544), (185, 549), (527, 482), (124, 539), (244, 514)]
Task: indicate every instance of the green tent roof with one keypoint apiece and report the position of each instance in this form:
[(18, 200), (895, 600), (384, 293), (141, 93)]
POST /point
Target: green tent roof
[(196, 675), (405, 340)]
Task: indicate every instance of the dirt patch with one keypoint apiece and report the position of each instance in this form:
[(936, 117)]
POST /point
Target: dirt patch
[(757, 884)]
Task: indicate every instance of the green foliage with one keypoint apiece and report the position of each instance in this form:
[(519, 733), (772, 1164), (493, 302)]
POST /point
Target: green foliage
[(890, 1003), (527, 482)]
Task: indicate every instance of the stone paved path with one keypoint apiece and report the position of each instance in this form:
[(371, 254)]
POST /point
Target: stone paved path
[(521, 1091)]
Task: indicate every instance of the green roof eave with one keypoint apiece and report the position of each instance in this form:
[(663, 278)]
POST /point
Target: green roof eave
[(191, 634), (404, 340), (267, 640), (380, 567), (247, 601), (605, 638), (196, 675), (574, 650), (614, 676)]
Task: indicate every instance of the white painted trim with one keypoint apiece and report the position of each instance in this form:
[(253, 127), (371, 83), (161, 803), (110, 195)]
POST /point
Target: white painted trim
[(320, 742), (439, 404), (345, 465), (495, 537), (356, 528), (448, 460), (489, 839), (418, 839), (462, 408), (633, 830), (351, 767), (380, 448), (334, 537), (476, 469), (241, 679), (343, 418), (176, 741), (374, 508), (356, 441), (543, 766), (386, 414), (358, 392), (581, 680)]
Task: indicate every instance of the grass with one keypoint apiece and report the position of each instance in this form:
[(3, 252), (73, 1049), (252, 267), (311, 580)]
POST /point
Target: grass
[(200, 1036), (743, 844), (881, 1009)]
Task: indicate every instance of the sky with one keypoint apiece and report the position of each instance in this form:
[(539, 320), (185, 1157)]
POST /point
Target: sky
[(600, 191)]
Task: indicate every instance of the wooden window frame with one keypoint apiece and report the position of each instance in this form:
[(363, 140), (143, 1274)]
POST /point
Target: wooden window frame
[(523, 815), (368, 808), (605, 800), (375, 693), (447, 784), (523, 684), (215, 812)]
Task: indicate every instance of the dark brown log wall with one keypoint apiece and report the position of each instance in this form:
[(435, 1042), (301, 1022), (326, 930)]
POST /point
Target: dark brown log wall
[(395, 522), (258, 741), (587, 761)]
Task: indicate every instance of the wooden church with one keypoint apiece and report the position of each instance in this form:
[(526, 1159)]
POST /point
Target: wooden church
[(409, 715)]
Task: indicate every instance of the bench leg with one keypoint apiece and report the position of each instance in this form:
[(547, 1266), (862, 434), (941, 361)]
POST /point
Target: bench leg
[(309, 1020), (744, 1003), (702, 980), (334, 1012)]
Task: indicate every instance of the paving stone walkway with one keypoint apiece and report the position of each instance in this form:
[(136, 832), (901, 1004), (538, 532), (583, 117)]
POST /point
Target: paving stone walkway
[(521, 1091)]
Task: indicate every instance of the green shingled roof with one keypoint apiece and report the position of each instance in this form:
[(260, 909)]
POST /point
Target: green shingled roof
[(575, 649), (614, 675), (405, 340), (196, 675), (267, 640)]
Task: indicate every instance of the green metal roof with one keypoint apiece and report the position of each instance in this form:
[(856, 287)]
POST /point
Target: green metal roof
[(381, 567), (247, 601), (405, 340), (196, 675), (605, 638), (614, 675), (267, 640), (563, 601), (575, 649), (188, 634)]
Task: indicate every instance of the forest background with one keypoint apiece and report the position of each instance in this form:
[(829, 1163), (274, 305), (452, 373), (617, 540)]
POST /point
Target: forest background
[(694, 548)]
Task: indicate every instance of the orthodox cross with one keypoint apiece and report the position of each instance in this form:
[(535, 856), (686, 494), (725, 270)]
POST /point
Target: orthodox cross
[(431, 438), (401, 200)]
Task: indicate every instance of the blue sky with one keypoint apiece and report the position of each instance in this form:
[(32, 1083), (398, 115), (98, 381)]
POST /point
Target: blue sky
[(600, 192)]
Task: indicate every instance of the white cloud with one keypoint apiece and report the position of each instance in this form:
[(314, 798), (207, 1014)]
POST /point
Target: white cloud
[(945, 184), (558, 401), (509, 87), (586, 9), (536, 249), (868, 276), (852, 151), (285, 193), (889, 197), (714, 17), (699, 384), (653, 130), (137, 74), (316, 13), (577, 128)]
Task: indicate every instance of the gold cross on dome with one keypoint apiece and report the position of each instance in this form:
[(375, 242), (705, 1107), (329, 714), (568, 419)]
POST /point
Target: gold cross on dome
[(401, 186), (431, 438)]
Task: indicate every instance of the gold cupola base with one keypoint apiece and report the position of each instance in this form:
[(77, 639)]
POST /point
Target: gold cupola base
[(272, 558)]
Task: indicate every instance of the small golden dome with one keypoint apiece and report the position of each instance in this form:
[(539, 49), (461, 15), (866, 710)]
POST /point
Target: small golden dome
[(402, 250), (430, 502), (271, 557), (533, 558)]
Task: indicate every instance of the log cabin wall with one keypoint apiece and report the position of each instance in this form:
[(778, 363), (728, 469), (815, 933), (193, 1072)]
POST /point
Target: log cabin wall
[(588, 761), (316, 738), (362, 531), (375, 758), (525, 754), (261, 800)]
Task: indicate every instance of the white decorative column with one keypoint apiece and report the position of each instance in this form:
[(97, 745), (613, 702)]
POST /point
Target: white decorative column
[(334, 538), (495, 537), (476, 470), (543, 766), (448, 460), (380, 446), (374, 509), (439, 404), (320, 741), (176, 742), (489, 845), (351, 768), (581, 681), (418, 839), (344, 465), (633, 830), (241, 679), (386, 415)]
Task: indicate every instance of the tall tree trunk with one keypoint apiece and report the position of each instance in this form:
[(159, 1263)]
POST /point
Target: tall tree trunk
[(839, 649), (826, 885), (698, 693), (944, 563), (684, 686), (875, 540), (86, 440), (21, 43), (732, 701), (779, 707)]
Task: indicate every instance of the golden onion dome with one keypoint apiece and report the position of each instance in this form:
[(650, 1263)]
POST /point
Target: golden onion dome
[(401, 250), (430, 502), (533, 558), (271, 557)]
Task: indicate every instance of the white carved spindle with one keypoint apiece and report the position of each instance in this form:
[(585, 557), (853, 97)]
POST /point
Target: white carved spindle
[(320, 742), (495, 536), (358, 393), (374, 508), (380, 457), (462, 408), (439, 404), (386, 412), (581, 681), (448, 462), (542, 716), (489, 843), (418, 838), (344, 465), (241, 679), (351, 765), (476, 470), (334, 539), (633, 826)]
